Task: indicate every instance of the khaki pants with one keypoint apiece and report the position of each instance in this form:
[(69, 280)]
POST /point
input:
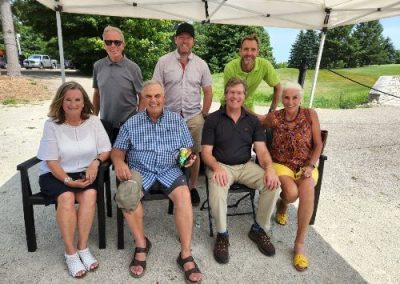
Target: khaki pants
[(250, 175), (195, 125)]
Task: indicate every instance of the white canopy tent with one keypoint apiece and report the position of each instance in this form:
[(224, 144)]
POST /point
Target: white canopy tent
[(301, 14)]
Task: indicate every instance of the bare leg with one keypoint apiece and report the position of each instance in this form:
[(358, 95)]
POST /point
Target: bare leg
[(184, 224), (304, 212), (289, 193), (67, 219), (134, 219), (87, 207)]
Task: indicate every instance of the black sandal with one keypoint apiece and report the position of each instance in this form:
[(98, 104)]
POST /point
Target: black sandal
[(181, 262), (141, 263)]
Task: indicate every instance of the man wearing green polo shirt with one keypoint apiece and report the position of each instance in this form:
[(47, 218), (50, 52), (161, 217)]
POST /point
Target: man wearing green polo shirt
[(253, 70)]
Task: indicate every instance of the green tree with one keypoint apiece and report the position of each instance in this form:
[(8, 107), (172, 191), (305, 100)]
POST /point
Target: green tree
[(397, 57), (370, 44), (304, 48), (391, 51), (218, 44), (338, 48), (146, 40)]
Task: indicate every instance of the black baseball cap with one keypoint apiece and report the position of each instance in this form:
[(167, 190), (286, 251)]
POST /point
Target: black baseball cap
[(185, 28)]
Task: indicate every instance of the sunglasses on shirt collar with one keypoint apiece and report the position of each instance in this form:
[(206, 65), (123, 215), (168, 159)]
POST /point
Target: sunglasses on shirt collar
[(115, 42)]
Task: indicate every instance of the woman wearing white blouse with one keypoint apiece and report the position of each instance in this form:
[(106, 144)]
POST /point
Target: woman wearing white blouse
[(73, 145)]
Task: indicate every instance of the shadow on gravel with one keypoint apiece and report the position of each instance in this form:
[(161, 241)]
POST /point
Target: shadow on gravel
[(247, 264)]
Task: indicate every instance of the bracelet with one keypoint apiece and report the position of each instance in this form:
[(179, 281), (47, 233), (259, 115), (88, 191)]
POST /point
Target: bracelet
[(98, 159), (67, 180)]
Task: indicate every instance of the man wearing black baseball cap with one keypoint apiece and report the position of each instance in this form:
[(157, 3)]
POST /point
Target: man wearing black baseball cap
[(185, 28), (183, 75)]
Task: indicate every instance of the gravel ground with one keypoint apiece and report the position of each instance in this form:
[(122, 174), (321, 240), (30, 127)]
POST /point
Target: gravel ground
[(355, 238)]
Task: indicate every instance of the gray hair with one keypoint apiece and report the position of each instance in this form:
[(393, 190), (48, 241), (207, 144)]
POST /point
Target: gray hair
[(114, 29), (153, 82), (291, 85)]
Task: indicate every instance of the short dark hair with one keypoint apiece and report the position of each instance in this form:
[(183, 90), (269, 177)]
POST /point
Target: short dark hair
[(56, 111), (233, 82), (250, 37)]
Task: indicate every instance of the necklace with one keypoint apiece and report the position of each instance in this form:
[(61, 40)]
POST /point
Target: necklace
[(73, 124), (297, 114)]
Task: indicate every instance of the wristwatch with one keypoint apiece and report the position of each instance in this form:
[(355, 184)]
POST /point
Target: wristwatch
[(98, 159), (67, 180)]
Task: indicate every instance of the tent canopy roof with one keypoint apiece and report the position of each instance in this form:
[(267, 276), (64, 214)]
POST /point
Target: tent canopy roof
[(301, 14)]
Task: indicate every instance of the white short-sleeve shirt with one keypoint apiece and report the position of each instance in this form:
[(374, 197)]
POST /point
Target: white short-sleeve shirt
[(75, 147)]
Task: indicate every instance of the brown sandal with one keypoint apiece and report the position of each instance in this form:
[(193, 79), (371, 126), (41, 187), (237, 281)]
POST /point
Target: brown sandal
[(181, 262), (141, 263)]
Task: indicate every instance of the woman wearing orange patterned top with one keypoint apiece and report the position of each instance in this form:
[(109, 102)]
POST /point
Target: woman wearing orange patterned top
[(296, 147)]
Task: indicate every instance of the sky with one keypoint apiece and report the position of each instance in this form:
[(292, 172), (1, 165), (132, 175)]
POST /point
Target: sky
[(282, 39)]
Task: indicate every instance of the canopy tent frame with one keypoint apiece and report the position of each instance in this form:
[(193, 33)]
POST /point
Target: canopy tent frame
[(60, 43)]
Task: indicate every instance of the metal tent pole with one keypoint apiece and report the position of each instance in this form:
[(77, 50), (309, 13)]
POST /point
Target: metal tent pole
[(60, 43), (321, 48)]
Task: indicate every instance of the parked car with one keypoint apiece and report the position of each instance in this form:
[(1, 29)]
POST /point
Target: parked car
[(69, 64), (40, 61), (3, 63)]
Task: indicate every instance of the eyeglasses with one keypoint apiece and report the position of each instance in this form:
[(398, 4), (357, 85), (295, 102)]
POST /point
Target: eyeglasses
[(110, 42)]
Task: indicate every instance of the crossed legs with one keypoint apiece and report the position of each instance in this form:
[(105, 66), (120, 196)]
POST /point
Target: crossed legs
[(304, 190)]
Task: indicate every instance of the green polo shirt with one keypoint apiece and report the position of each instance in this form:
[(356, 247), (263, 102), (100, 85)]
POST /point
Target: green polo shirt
[(263, 70)]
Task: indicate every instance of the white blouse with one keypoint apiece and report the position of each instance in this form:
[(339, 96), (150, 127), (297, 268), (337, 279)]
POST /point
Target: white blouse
[(75, 147)]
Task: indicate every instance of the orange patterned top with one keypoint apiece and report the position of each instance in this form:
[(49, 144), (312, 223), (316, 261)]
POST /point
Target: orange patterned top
[(292, 141)]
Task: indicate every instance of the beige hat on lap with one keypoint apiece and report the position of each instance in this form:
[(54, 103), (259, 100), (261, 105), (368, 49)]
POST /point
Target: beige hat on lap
[(129, 192)]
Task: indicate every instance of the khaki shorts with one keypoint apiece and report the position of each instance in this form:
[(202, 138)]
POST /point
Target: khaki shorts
[(195, 125)]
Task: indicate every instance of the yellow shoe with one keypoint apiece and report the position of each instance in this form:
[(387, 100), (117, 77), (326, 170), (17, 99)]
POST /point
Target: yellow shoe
[(300, 262), (280, 218)]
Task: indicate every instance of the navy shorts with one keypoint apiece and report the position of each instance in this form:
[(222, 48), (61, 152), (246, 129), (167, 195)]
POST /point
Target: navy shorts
[(181, 180), (51, 187)]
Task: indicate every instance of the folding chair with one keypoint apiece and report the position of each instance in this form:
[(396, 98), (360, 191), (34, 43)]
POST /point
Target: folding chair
[(234, 188), (29, 199)]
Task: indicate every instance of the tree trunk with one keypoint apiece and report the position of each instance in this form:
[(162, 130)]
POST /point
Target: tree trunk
[(13, 68)]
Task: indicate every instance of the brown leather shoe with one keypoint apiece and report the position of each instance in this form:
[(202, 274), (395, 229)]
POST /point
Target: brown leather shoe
[(221, 252), (263, 241)]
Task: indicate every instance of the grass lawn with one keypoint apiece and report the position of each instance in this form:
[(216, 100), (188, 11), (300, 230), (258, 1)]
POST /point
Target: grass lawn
[(332, 91)]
